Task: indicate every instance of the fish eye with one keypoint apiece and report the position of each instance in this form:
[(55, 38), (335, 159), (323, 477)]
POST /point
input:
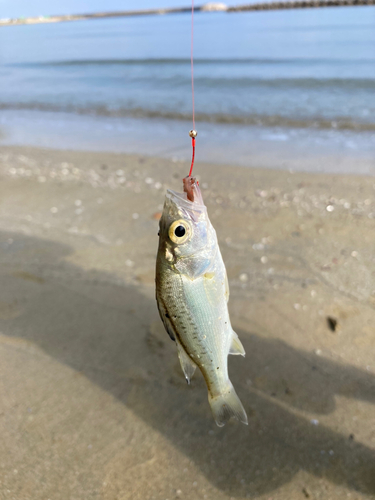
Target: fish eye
[(180, 231)]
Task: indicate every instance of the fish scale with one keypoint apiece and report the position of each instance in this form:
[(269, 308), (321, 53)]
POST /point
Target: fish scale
[(214, 344)]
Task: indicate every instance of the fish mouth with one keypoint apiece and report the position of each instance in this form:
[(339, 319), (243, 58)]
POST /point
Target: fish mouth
[(181, 200)]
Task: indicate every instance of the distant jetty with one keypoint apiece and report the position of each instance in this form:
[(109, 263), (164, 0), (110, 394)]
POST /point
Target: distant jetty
[(308, 4), (208, 7)]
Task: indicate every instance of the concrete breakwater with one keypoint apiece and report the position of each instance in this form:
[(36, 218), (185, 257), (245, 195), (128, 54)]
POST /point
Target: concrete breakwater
[(303, 4), (210, 7)]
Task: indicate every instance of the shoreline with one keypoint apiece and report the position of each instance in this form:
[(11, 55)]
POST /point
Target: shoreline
[(13, 150), (266, 147)]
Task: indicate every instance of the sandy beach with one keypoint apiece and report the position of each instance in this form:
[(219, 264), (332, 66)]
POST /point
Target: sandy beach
[(93, 402)]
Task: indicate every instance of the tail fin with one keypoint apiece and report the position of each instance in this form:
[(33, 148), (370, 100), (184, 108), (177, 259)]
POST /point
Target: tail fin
[(227, 405)]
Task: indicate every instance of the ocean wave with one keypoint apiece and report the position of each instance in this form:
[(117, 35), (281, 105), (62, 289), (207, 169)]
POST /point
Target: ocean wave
[(197, 61), (223, 78), (335, 123), (287, 83)]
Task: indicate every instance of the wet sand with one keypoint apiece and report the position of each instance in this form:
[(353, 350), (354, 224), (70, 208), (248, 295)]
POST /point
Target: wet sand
[(93, 403)]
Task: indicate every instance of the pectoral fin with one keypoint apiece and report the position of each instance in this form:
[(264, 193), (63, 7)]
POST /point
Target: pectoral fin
[(187, 364), (236, 346), (165, 317)]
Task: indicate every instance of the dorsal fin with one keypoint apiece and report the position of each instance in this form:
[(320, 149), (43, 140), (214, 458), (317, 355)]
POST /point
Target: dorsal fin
[(236, 346)]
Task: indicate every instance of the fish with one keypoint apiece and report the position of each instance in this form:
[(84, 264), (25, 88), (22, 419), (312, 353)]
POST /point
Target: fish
[(192, 295)]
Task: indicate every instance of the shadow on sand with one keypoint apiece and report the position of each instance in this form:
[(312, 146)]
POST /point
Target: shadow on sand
[(102, 330)]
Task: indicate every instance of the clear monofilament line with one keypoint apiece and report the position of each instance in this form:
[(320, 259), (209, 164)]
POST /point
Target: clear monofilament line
[(192, 133), (192, 60)]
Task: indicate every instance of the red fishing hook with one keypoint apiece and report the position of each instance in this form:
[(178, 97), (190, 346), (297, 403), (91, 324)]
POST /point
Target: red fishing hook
[(193, 134)]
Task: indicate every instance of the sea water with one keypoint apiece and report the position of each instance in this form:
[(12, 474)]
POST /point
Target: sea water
[(285, 89)]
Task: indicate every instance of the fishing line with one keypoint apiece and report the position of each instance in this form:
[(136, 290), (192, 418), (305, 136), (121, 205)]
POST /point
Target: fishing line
[(193, 133), (192, 60)]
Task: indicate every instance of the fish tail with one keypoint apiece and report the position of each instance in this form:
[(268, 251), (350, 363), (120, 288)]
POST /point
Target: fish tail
[(226, 405)]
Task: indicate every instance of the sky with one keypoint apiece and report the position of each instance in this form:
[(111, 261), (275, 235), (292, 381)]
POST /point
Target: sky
[(19, 8)]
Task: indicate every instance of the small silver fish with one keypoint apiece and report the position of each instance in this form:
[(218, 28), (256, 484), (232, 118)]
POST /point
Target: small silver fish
[(192, 294)]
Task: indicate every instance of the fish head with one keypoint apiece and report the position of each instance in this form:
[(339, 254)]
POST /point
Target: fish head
[(187, 239)]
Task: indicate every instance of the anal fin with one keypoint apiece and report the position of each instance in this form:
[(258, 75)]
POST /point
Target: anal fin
[(236, 347), (187, 364)]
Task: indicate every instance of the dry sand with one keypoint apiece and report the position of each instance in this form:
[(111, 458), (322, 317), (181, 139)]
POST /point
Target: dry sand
[(93, 403)]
